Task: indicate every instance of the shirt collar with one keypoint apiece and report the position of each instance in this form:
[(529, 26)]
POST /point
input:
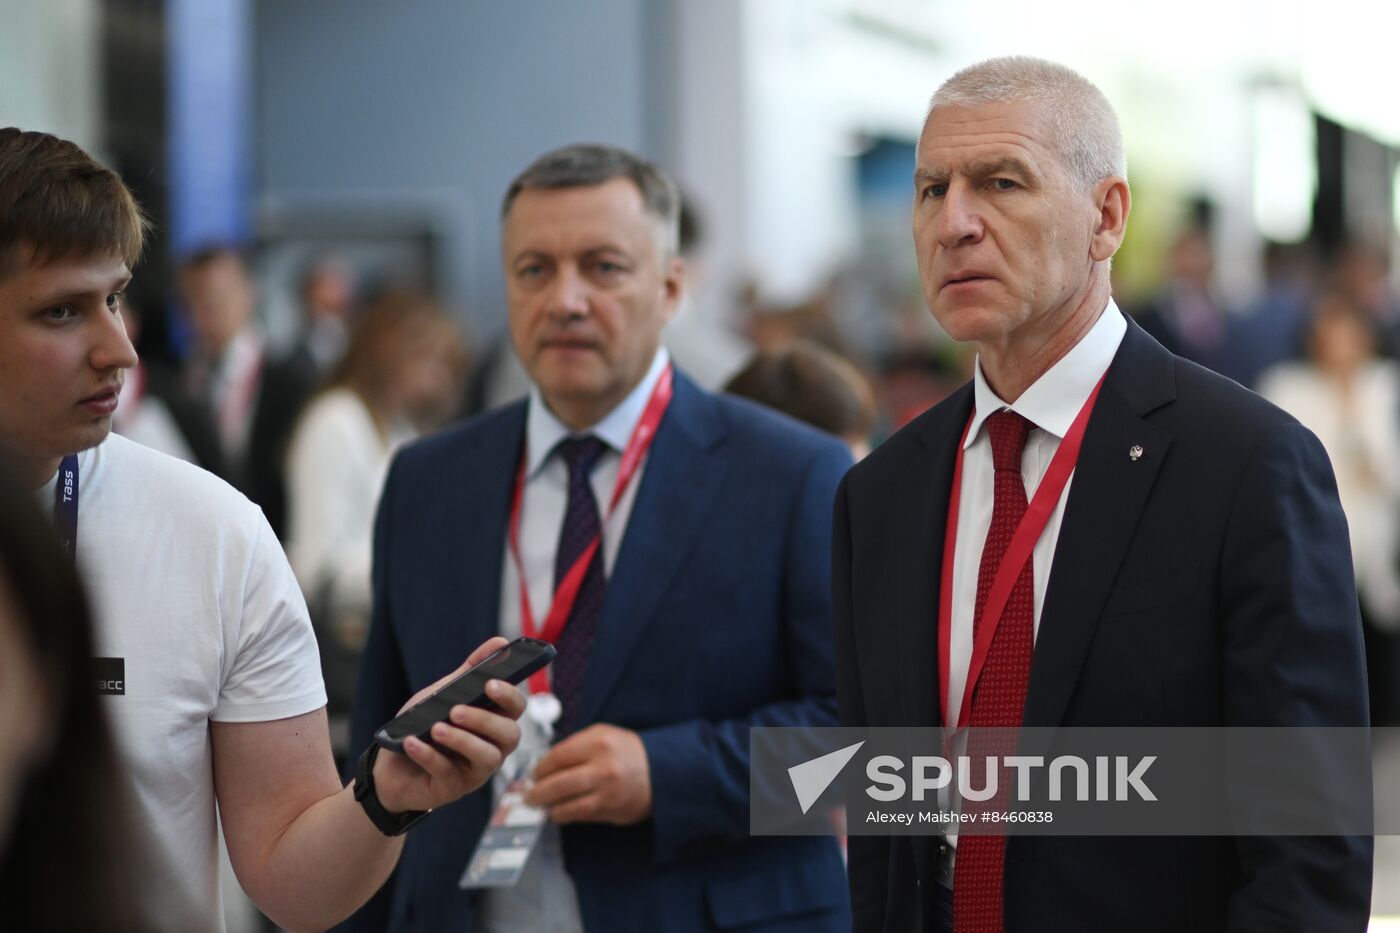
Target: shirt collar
[(1052, 401), (45, 492), (544, 431)]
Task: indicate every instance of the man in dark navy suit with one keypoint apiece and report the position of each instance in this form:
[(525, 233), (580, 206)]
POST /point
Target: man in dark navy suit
[(673, 544), (1192, 569)]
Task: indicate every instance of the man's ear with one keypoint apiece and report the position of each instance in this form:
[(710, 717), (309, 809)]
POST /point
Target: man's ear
[(1112, 202), (673, 285)]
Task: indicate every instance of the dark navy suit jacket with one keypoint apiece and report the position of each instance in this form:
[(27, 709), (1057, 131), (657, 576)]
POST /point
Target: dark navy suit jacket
[(1208, 582), (716, 618)]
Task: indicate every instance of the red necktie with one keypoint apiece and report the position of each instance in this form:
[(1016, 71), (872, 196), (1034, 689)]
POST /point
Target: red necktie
[(1000, 695)]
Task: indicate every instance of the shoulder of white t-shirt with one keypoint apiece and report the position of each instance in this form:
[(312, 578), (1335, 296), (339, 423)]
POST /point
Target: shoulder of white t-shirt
[(175, 483)]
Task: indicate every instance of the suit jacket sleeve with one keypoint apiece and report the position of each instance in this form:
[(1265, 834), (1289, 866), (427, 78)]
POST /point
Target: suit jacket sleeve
[(867, 865), (383, 686), (699, 768), (1292, 651)]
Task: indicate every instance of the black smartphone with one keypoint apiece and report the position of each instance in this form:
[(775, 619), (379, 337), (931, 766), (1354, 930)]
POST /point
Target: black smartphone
[(513, 663)]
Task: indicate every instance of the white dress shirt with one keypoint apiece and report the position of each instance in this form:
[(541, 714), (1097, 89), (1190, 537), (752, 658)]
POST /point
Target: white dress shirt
[(1050, 405), (544, 898), (546, 496)]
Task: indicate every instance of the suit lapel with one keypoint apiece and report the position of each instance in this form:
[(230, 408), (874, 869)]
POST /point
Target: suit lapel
[(915, 555), (1106, 498), (485, 477), (917, 552), (682, 475)]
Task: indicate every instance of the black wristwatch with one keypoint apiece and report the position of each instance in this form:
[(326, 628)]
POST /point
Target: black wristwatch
[(390, 824)]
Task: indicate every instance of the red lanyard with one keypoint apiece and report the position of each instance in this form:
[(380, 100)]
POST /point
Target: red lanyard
[(567, 591), (1028, 531)]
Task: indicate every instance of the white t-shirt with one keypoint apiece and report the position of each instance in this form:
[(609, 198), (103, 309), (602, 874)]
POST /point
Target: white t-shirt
[(192, 591)]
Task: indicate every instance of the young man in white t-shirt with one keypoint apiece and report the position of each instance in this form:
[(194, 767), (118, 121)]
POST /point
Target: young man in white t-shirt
[(207, 654)]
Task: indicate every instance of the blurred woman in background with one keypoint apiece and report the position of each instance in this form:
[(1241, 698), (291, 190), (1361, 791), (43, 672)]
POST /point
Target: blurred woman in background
[(403, 374), (1349, 396), (66, 861)]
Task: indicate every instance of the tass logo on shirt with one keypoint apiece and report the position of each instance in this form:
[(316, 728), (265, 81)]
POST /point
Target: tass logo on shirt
[(111, 675)]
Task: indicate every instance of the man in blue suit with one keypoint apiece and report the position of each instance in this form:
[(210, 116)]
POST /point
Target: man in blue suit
[(672, 543)]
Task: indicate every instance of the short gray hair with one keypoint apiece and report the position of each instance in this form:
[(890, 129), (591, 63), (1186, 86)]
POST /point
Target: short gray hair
[(586, 165), (1085, 128)]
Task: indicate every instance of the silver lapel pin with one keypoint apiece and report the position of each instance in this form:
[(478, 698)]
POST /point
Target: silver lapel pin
[(1135, 452)]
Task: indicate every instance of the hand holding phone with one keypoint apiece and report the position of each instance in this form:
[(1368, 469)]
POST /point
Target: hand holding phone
[(447, 759), (512, 664)]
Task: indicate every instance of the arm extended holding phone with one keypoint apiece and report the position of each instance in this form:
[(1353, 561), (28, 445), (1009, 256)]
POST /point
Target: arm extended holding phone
[(300, 840)]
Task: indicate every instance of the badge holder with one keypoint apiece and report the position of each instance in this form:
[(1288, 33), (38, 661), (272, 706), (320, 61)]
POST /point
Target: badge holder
[(515, 827)]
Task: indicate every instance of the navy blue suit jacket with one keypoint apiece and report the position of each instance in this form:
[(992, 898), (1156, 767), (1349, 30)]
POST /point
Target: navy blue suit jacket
[(716, 618), (1208, 582)]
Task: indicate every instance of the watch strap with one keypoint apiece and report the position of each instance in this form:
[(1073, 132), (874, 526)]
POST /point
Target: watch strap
[(390, 824)]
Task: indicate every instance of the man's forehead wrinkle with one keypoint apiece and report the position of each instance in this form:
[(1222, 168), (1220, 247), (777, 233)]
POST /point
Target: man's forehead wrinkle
[(937, 161), (996, 163), (1005, 137), (578, 247)]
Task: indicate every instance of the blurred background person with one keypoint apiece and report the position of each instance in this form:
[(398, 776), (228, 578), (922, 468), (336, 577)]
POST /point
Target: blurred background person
[(148, 405), (1361, 272), (402, 374), (775, 328), (908, 382), (1269, 330), (1185, 315), (329, 293), (66, 855), (253, 397), (1347, 395), (813, 385)]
